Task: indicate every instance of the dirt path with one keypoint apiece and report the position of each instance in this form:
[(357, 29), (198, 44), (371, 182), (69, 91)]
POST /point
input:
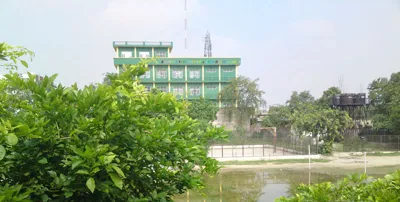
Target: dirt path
[(337, 162)]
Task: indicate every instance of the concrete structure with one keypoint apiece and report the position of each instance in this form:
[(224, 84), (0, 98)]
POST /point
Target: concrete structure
[(188, 78)]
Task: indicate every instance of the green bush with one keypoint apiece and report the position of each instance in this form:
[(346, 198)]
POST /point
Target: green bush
[(101, 143), (352, 188)]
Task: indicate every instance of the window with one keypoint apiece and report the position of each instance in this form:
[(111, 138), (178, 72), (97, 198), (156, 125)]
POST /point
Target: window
[(178, 90), (146, 75), (125, 54), (161, 73), (144, 54), (211, 70), (195, 90), (212, 87), (160, 54), (177, 74), (194, 74), (162, 88), (228, 70)]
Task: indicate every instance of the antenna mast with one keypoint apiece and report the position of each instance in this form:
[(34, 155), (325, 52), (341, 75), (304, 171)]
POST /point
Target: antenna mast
[(207, 45), (185, 28)]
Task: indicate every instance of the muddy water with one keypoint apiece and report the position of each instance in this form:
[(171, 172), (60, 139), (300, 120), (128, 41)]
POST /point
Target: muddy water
[(267, 184)]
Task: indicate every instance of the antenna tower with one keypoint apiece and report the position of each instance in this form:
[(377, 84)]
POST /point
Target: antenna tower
[(207, 45), (185, 28)]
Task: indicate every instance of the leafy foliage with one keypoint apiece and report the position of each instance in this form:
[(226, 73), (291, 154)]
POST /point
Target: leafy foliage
[(112, 142), (108, 77), (326, 98), (242, 98), (384, 95), (297, 100), (203, 110), (352, 188), (11, 55), (278, 116)]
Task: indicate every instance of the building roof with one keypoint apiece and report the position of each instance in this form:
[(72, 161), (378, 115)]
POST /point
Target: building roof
[(149, 44)]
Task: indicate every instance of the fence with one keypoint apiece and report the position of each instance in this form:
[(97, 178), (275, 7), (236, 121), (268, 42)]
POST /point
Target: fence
[(263, 144), (370, 140)]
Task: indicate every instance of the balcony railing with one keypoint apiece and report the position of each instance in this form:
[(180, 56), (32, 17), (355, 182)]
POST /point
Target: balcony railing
[(142, 43)]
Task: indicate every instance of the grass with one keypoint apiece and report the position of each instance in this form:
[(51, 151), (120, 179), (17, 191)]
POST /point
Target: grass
[(281, 161), (383, 154)]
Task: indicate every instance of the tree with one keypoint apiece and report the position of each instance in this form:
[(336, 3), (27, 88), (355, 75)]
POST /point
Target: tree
[(324, 121), (384, 95), (242, 98), (108, 77), (327, 96), (114, 142), (203, 110), (11, 55), (278, 116), (297, 100)]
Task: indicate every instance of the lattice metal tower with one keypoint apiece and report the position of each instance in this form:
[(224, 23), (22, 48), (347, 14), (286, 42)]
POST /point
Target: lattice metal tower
[(207, 46)]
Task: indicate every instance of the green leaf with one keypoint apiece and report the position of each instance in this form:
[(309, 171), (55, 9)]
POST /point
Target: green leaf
[(2, 152), (76, 163), (116, 179), (11, 139), (90, 183), (82, 172), (108, 159), (68, 194), (119, 171), (23, 62), (2, 198), (95, 170), (43, 161)]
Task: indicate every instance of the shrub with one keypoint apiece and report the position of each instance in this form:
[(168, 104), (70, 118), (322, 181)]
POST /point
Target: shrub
[(101, 143), (352, 188)]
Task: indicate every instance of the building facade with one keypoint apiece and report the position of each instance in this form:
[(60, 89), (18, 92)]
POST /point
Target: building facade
[(188, 78)]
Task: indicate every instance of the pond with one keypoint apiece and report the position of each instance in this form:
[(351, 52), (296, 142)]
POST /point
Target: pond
[(267, 184)]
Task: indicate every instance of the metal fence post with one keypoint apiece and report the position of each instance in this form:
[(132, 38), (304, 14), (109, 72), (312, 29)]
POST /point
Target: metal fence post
[(253, 150), (263, 150), (242, 150), (222, 150)]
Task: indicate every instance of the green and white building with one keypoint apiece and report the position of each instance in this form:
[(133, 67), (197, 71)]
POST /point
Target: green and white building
[(189, 78)]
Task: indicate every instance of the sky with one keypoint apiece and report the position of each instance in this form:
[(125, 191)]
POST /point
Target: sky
[(290, 45)]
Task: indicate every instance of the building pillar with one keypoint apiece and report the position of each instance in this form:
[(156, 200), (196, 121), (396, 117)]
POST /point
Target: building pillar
[(202, 88), (236, 72), (169, 72), (219, 73), (116, 53), (219, 90), (134, 52), (154, 85), (154, 73), (185, 72), (186, 89), (152, 52), (202, 73), (169, 87)]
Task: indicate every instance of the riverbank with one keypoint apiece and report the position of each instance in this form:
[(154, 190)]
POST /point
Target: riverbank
[(337, 161)]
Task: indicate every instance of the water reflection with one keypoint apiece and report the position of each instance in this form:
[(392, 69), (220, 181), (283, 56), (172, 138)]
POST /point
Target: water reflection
[(264, 185)]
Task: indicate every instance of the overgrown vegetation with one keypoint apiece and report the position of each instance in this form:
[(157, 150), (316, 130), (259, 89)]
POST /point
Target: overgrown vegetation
[(384, 95), (305, 114), (353, 188), (242, 98), (114, 142)]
